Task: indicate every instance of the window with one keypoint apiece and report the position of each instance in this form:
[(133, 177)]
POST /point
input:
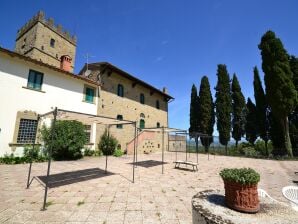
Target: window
[(158, 125), (88, 133), (35, 80), (120, 91), (89, 94), (27, 131), (157, 104), (142, 98), (52, 42), (120, 118), (142, 124)]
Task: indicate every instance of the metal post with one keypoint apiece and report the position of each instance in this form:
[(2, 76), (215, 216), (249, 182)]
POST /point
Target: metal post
[(197, 149), (163, 131), (30, 153), (49, 159), (175, 144), (137, 144), (108, 130), (208, 146), (134, 154)]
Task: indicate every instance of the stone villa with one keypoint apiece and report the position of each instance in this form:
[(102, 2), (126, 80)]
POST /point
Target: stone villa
[(38, 76)]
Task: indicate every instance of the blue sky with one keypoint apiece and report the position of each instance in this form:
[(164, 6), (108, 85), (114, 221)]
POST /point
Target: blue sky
[(170, 43)]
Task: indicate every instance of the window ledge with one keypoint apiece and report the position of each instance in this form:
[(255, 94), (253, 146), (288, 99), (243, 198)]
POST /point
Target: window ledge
[(22, 144), (37, 90), (88, 102)]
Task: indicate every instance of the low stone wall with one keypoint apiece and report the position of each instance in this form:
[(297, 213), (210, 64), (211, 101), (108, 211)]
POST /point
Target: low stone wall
[(201, 214), (208, 207)]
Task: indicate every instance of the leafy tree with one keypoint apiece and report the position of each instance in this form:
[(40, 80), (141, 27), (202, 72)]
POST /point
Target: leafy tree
[(223, 105), (261, 109), (194, 116), (251, 122), (107, 144), (206, 111), (69, 138), (281, 93), (239, 110)]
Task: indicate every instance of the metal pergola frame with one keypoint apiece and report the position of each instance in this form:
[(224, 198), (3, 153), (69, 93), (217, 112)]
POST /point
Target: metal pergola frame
[(58, 113), (199, 135), (163, 130)]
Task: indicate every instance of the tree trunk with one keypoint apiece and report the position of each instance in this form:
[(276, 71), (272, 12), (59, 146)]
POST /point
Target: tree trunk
[(288, 143), (197, 144), (236, 144), (226, 147), (106, 164), (266, 147)]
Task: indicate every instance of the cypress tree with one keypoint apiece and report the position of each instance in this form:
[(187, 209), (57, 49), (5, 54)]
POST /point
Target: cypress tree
[(206, 111), (194, 115), (293, 118), (239, 109), (262, 109), (223, 105), (281, 93), (251, 122), (276, 136)]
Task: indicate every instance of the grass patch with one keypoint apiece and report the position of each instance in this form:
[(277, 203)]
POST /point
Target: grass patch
[(49, 203), (80, 203)]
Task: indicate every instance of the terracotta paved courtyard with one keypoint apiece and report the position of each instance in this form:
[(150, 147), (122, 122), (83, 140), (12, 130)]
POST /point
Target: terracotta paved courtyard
[(93, 197)]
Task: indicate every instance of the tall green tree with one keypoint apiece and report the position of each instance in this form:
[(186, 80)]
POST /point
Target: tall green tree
[(281, 92), (223, 104), (251, 122), (293, 118), (261, 109), (194, 116), (206, 111), (276, 136), (239, 110)]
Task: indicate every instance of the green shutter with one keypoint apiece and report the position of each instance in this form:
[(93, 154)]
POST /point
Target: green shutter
[(142, 124), (120, 118), (89, 95), (35, 80)]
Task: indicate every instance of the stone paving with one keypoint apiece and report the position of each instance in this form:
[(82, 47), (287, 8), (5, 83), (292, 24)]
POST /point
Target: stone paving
[(98, 198)]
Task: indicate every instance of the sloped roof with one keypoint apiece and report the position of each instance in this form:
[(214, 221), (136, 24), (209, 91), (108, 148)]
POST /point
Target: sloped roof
[(40, 63), (126, 75)]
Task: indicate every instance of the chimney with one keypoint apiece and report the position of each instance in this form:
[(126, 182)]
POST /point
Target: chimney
[(165, 90), (65, 63)]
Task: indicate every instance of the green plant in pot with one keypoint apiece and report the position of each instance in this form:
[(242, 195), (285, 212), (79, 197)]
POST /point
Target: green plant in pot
[(241, 189)]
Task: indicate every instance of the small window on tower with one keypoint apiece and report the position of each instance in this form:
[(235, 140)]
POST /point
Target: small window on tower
[(52, 42)]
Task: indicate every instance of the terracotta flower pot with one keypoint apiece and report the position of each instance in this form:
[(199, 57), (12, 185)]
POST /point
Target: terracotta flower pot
[(243, 198)]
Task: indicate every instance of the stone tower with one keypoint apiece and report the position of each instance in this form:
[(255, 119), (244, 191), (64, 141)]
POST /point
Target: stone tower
[(41, 39)]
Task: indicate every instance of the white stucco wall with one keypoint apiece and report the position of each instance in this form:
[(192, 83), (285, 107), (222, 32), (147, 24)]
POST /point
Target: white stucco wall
[(59, 89)]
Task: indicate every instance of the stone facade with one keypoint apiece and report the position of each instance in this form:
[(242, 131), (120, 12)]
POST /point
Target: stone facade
[(40, 39), (129, 106)]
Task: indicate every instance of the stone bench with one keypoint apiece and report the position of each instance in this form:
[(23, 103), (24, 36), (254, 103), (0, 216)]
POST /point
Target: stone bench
[(179, 162)]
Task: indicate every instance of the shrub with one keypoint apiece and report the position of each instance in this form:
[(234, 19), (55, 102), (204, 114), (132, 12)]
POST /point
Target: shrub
[(31, 152), (69, 138), (107, 144), (118, 153), (243, 176), (88, 152), (250, 152)]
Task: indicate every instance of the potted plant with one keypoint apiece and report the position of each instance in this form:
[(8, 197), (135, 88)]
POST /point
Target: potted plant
[(241, 189)]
